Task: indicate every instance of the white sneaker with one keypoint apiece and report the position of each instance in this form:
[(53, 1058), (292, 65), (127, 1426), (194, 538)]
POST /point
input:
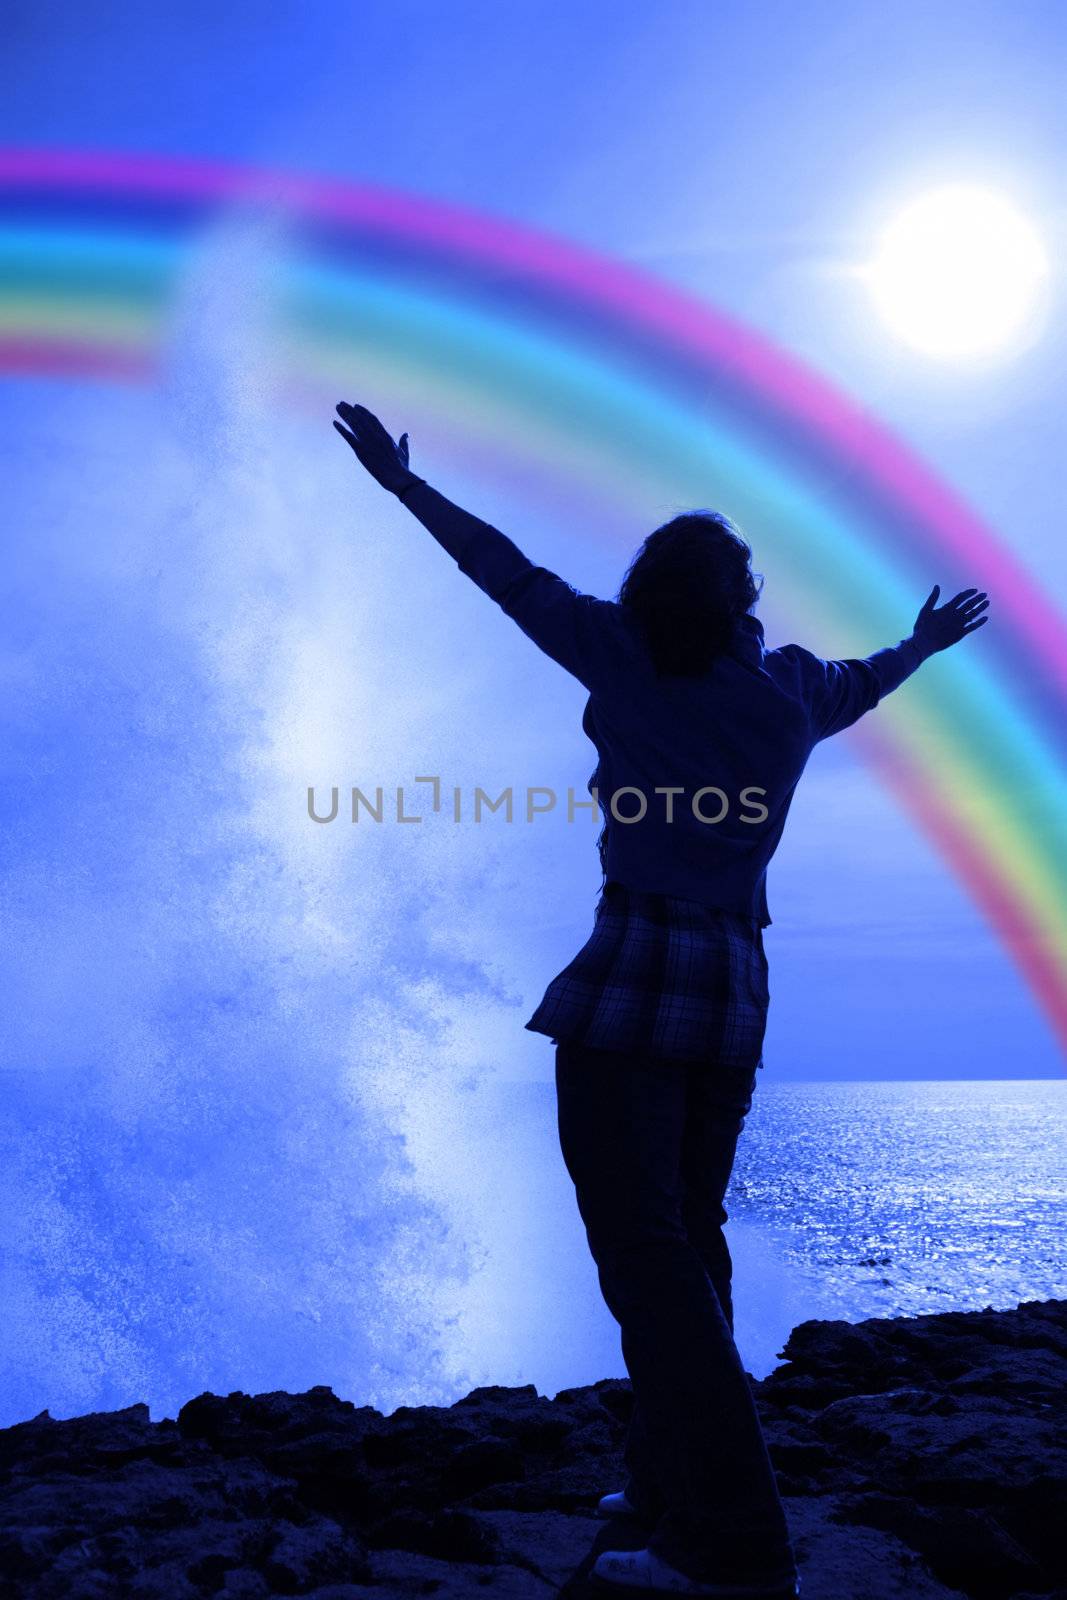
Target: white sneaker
[(643, 1569), (616, 1505)]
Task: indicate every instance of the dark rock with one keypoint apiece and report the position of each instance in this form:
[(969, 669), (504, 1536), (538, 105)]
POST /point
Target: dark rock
[(922, 1457), (483, 1462), (971, 1550)]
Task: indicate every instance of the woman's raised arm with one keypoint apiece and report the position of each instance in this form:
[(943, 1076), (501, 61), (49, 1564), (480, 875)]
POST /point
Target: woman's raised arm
[(584, 635)]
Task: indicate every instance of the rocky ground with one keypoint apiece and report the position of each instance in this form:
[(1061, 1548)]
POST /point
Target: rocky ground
[(920, 1456)]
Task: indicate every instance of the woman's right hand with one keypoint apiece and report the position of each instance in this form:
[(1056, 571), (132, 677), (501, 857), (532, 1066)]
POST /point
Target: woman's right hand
[(937, 627)]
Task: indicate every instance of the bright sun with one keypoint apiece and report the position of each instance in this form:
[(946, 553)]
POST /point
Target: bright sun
[(959, 272)]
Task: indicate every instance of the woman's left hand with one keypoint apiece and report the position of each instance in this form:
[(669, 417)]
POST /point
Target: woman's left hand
[(386, 462)]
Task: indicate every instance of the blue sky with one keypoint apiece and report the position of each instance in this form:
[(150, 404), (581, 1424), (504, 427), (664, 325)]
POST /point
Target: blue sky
[(205, 602)]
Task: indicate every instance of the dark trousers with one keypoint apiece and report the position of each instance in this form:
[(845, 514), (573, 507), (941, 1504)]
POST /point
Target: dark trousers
[(649, 1145)]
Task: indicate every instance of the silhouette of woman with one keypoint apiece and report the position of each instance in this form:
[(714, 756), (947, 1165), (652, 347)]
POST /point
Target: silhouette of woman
[(701, 735)]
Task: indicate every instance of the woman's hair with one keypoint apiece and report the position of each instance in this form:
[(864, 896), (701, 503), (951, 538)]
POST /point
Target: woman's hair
[(687, 586)]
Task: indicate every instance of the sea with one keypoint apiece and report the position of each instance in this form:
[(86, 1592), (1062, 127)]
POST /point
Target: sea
[(910, 1197), (848, 1200)]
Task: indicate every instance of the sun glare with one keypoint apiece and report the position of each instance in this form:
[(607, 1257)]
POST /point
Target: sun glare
[(959, 273)]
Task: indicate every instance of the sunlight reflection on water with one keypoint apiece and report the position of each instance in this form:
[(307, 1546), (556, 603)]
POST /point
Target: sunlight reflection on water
[(903, 1198)]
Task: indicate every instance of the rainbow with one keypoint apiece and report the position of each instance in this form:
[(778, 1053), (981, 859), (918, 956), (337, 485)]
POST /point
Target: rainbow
[(608, 384)]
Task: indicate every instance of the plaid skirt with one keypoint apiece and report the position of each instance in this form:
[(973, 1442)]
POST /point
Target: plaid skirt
[(663, 977)]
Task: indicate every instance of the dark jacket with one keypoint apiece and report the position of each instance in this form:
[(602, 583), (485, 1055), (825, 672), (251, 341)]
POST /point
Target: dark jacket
[(741, 733)]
